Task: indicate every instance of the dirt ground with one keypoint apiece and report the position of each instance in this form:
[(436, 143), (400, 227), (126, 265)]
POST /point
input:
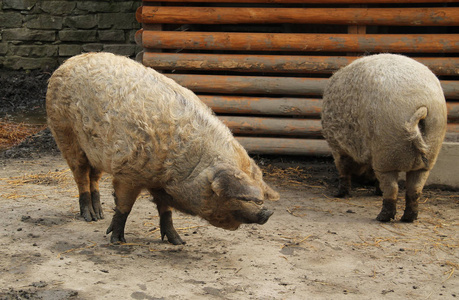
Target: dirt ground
[(313, 247)]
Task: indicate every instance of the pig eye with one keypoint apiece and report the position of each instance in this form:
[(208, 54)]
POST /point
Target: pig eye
[(256, 201)]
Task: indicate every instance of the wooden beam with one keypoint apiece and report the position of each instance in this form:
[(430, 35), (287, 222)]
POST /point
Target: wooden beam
[(285, 146), (309, 108), (250, 84), (271, 85), (275, 63), (285, 126), (450, 89), (406, 16), (273, 126), (453, 111), (400, 43)]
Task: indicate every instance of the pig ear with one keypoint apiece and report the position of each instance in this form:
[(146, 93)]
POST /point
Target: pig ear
[(232, 183), (270, 194)]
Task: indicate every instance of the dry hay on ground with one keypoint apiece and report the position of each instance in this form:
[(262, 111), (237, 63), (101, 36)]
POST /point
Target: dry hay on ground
[(13, 133)]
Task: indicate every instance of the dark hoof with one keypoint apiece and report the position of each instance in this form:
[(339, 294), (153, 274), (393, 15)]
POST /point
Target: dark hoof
[(409, 217), (117, 227), (117, 240), (167, 229), (342, 194), (90, 208), (385, 216), (177, 240), (88, 215), (172, 237), (388, 210), (97, 207)]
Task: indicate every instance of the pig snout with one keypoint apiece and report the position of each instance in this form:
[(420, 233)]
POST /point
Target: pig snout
[(264, 215), (247, 216)]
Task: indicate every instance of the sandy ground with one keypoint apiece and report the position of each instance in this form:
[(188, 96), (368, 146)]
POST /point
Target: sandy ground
[(313, 247)]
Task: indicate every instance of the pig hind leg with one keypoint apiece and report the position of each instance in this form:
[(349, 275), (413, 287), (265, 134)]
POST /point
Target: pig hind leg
[(388, 182), (125, 196), (161, 198), (415, 181), (346, 167), (85, 176)]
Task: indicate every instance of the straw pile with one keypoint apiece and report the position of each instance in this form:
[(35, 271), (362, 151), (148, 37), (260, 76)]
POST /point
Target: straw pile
[(48, 178), (13, 133)]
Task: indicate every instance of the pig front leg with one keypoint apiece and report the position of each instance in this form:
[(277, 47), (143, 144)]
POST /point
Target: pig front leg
[(415, 181), (162, 200), (389, 186), (125, 196), (94, 177)]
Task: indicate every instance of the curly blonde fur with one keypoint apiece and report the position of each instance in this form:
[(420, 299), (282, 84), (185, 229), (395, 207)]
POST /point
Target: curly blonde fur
[(385, 112), (144, 128)]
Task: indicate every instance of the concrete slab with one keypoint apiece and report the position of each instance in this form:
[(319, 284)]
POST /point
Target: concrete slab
[(446, 170)]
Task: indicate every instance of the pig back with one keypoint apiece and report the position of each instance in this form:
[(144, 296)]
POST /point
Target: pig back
[(129, 118), (368, 103)]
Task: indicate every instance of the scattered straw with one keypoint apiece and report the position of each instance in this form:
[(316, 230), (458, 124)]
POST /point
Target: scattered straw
[(13, 133), (49, 178), (295, 243), (291, 176), (13, 195), (376, 242), (77, 249), (450, 273), (191, 227), (293, 209), (390, 230)]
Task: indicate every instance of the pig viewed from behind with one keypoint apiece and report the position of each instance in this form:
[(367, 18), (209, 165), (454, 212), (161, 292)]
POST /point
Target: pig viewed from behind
[(385, 113), (111, 114)]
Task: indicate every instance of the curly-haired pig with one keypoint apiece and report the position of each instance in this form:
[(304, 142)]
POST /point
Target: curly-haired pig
[(111, 114), (385, 113)]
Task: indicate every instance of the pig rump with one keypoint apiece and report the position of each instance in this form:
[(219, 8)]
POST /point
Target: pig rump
[(111, 114), (385, 113)]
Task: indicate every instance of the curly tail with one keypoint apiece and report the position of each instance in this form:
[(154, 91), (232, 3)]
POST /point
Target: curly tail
[(414, 133)]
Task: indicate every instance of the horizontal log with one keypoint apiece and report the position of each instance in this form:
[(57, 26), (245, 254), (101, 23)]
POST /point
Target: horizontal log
[(285, 126), (452, 128), (310, 108), (273, 126), (274, 63), (453, 111), (306, 42), (251, 84), (248, 63), (264, 106), (271, 85), (311, 1), (285, 146), (450, 89), (407, 16)]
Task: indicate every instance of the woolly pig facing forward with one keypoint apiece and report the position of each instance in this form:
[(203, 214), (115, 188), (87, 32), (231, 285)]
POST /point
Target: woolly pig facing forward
[(387, 113), (111, 114)]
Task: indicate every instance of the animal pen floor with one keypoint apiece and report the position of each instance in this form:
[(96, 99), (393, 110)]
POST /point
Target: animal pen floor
[(313, 247)]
